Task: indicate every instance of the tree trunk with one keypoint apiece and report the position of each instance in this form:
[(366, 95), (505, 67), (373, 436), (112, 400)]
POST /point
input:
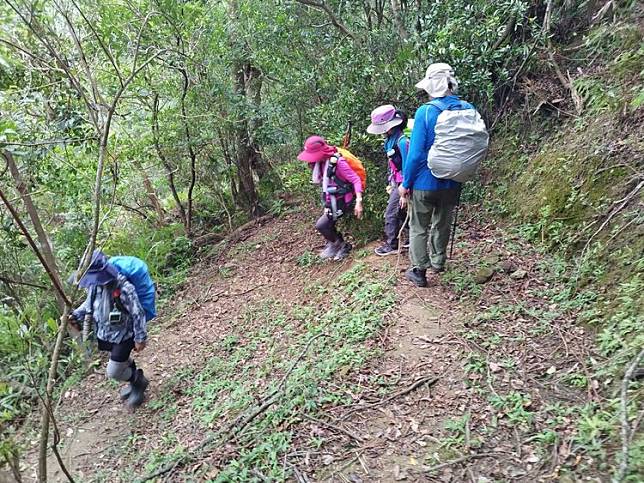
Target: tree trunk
[(32, 211), (166, 164), (399, 19), (245, 155), (151, 192), (191, 150), (47, 410), (253, 88)]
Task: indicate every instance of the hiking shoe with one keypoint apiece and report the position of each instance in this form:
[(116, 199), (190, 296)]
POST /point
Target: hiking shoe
[(437, 269), (139, 385), (125, 392), (330, 249), (417, 276), (343, 251), (385, 250)]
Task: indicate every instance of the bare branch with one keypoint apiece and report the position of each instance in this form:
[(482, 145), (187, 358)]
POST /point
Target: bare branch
[(50, 273), (49, 142), (104, 48), (5, 279), (623, 410), (334, 20)]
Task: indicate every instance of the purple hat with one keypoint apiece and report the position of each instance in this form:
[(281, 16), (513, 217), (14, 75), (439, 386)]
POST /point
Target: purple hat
[(383, 118), (316, 149), (100, 272)]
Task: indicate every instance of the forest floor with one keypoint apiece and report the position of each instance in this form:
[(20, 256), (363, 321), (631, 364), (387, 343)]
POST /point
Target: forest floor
[(359, 375)]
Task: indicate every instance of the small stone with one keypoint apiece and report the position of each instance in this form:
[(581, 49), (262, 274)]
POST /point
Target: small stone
[(494, 367), (491, 259), (518, 274), (533, 458), (551, 370), (507, 266), (483, 275)]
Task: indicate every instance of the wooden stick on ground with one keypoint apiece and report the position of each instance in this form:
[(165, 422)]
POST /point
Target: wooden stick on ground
[(429, 380)]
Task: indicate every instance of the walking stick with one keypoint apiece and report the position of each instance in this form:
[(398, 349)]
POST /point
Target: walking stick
[(458, 204)]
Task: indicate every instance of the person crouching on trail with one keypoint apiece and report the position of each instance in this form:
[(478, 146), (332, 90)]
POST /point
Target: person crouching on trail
[(119, 324), (390, 123), (341, 192)]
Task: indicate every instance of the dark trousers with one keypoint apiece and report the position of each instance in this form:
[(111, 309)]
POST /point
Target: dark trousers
[(394, 217), (327, 228), (118, 352)]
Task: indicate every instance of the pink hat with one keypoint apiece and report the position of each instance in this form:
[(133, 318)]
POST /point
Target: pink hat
[(316, 149), (383, 118)]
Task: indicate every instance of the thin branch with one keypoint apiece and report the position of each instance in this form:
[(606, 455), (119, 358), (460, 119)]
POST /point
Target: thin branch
[(17, 220), (35, 28), (231, 430), (98, 98), (107, 52), (612, 214), (334, 20), (49, 142), (429, 380), (8, 280), (623, 410)]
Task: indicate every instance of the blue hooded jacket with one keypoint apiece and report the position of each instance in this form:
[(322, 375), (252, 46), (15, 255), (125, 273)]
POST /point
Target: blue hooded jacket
[(416, 174)]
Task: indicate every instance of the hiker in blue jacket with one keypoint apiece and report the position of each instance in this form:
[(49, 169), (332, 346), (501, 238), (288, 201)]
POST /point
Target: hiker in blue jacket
[(120, 323), (390, 123), (431, 200)]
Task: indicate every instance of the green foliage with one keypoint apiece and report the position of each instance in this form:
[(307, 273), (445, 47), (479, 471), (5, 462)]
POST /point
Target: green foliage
[(230, 383)]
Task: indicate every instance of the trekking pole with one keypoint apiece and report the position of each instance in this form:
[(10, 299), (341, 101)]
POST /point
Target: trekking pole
[(458, 204), (346, 139)]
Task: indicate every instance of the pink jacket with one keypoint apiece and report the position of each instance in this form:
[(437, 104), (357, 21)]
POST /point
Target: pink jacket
[(342, 171)]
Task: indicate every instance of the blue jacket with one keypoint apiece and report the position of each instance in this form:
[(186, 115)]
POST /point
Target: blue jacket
[(416, 174), (398, 138)]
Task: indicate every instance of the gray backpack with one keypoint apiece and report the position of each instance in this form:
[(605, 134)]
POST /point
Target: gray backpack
[(460, 142)]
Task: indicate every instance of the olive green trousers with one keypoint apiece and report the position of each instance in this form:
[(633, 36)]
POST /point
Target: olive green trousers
[(430, 224)]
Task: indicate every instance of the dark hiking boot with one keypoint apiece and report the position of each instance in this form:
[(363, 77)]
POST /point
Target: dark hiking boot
[(386, 249), (417, 276), (437, 269), (343, 251), (330, 250), (125, 392), (139, 385)]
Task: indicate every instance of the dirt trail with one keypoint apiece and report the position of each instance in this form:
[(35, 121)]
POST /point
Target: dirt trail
[(378, 437)]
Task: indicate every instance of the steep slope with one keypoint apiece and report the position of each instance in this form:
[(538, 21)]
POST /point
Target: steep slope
[(271, 366)]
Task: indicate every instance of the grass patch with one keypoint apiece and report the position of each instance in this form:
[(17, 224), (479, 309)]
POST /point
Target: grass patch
[(252, 361)]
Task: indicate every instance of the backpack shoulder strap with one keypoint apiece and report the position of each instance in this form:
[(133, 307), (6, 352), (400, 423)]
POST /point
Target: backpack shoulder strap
[(438, 104)]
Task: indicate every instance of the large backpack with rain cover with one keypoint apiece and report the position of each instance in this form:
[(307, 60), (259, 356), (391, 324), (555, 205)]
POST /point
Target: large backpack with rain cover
[(460, 142), (137, 273)]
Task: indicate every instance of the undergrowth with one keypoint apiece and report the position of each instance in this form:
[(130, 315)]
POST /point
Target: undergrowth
[(253, 359)]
